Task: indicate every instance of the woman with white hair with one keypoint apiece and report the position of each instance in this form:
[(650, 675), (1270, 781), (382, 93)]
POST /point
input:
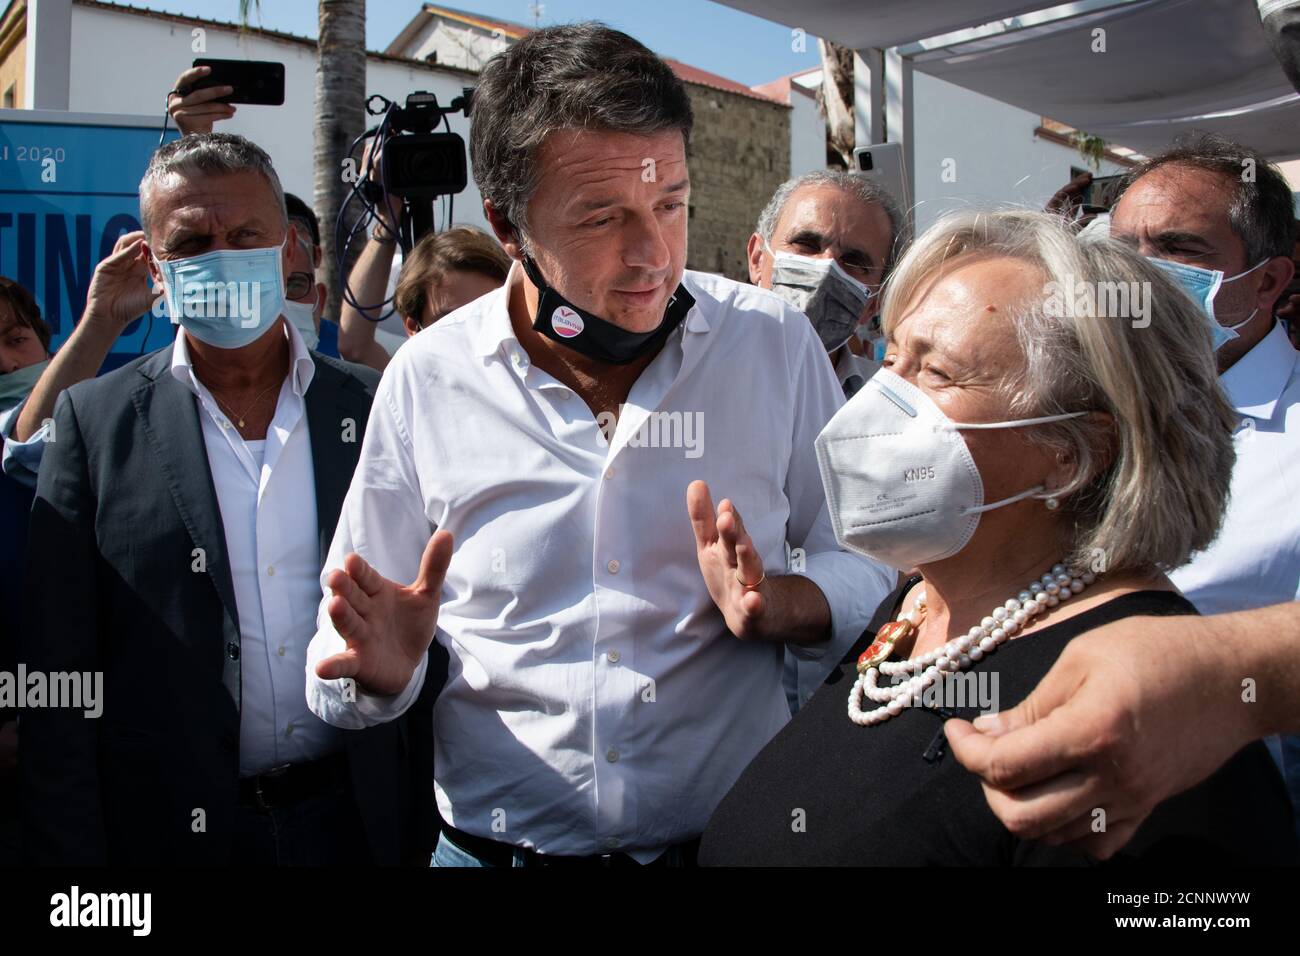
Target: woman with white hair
[(1046, 439)]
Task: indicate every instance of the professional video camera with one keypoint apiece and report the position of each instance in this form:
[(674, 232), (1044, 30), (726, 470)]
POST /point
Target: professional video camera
[(417, 166)]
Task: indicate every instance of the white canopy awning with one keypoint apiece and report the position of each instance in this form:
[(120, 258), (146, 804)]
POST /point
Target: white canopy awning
[(882, 23), (1169, 66)]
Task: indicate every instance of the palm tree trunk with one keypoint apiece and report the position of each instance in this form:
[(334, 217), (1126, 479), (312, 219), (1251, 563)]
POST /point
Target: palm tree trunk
[(340, 118), (836, 98)]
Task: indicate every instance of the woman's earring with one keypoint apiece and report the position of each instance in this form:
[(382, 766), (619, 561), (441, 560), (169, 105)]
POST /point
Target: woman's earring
[(1052, 503)]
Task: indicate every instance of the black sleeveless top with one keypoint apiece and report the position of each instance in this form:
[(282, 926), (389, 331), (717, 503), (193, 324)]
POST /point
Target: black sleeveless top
[(825, 791)]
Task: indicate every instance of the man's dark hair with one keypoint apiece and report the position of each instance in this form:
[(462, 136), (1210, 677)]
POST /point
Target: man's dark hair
[(299, 211), (582, 76), (26, 311), (1260, 209)]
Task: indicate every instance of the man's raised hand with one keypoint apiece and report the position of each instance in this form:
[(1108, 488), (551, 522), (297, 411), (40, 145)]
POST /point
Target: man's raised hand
[(193, 111), (387, 627), (731, 567)]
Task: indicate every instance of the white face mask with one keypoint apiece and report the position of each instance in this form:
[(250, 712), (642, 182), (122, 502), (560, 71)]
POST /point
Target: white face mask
[(901, 485), (303, 317), (820, 288)]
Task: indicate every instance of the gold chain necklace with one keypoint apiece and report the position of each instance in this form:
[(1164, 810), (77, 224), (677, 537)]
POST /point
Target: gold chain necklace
[(250, 406)]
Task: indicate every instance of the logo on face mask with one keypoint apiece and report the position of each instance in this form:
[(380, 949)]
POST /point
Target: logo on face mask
[(566, 322)]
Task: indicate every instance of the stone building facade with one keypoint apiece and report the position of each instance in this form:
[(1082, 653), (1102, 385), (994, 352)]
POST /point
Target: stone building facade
[(740, 153)]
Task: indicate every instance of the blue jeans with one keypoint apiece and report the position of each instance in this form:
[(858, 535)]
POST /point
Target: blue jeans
[(449, 854)]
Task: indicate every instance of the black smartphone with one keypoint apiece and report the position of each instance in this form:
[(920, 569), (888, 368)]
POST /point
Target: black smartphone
[(256, 82)]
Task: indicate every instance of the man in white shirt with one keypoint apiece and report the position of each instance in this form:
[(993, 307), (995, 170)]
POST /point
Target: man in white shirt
[(1216, 205), (825, 216), (188, 500), (616, 640)]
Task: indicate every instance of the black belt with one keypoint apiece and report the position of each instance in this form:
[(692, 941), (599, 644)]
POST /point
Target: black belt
[(495, 853), (292, 783)]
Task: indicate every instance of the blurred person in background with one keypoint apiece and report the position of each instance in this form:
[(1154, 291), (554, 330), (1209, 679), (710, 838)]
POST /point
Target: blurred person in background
[(305, 297), (825, 243), (444, 271), (30, 381)]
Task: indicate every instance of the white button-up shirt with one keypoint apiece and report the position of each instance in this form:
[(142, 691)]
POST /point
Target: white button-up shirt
[(267, 494), (595, 700), (1255, 561)]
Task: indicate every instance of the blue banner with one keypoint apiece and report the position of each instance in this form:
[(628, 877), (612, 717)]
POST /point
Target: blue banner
[(68, 191)]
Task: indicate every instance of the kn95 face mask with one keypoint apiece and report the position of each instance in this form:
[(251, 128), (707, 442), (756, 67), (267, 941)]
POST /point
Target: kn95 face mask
[(901, 485)]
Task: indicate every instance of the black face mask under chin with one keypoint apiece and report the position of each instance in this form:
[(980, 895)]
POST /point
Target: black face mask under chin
[(561, 321)]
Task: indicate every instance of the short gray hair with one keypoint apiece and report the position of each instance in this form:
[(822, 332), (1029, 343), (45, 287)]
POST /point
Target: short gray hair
[(206, 154), (867, 191), (583, 76), (1162, 494)]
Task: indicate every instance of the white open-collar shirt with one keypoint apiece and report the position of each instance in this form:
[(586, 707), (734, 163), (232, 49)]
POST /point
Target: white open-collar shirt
[(595, 700), (1255, 560), (266, 493)]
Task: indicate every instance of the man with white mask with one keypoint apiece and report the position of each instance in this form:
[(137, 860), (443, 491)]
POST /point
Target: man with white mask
[(190, 496), (1218, 218), (825, 243), (304, 296)]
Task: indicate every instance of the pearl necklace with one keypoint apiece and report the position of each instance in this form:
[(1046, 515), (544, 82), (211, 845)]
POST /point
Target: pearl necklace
[(1005, 620)]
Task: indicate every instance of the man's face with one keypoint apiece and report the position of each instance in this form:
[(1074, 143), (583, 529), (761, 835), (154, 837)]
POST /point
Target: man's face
[(300, 281), (196, 215), (1180, 213), (19, 346), (824, 222), (607, 222)]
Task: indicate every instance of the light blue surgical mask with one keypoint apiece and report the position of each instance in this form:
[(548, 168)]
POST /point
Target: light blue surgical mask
[(18, 384), (1203, 285), (226, 298), (302, 316)]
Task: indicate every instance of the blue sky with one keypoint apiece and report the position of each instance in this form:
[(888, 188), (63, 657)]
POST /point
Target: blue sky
[(704, 34)]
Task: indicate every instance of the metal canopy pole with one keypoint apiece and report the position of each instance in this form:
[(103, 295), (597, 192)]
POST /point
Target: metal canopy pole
[(899, 114)]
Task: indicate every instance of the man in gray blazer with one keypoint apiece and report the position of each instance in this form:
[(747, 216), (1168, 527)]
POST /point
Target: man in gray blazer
[(183, 513)]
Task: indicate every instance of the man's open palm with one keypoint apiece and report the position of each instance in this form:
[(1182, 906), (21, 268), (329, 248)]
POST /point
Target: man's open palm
[(387, 627)]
